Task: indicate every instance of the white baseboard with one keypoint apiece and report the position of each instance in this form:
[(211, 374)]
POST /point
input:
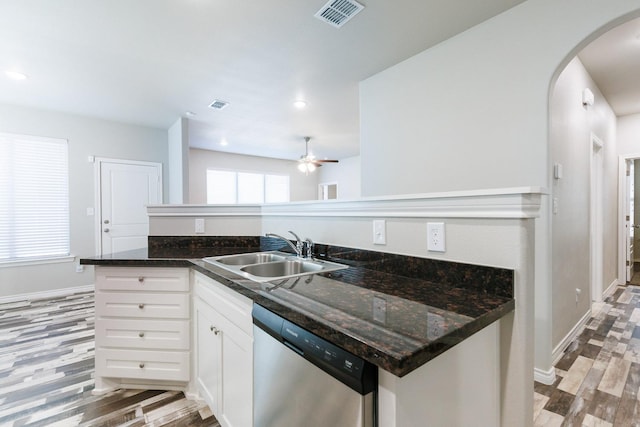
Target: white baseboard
[(549, 376), (544, 377), (610, 289), (45, 294), (573, 333)]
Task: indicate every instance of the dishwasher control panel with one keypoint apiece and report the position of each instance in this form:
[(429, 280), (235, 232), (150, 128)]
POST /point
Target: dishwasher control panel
[(321, 349)]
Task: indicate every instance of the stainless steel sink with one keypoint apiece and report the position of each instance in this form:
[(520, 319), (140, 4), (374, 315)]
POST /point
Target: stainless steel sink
[(252, 258), (272, 265), (283, 268)]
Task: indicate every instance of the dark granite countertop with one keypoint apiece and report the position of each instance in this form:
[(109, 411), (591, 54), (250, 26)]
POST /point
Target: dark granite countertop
[(396, 321)]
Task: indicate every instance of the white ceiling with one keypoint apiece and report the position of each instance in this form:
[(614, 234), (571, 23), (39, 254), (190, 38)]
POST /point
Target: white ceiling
[(613, 61), (149, 61)]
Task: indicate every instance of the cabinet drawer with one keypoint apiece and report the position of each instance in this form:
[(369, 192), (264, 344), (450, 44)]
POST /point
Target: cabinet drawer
[(235, 307), (143, 334), (143, 364), (142, 305), (142, 279)]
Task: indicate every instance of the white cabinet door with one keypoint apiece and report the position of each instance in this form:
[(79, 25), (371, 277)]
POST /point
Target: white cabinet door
[(224, 355), (208, 361), (236, 401)]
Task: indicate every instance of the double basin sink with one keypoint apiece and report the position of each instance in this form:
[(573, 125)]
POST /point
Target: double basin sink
[(271, 265)]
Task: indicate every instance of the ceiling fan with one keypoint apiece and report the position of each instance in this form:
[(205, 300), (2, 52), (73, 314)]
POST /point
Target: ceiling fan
[(308, 162)]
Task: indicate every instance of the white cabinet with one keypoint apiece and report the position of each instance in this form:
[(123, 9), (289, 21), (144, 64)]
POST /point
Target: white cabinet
[(224, 351), (142, 328)]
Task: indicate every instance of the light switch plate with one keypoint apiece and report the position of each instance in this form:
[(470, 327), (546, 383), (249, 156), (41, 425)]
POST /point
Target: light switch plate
[(379, 232), (435, 236)]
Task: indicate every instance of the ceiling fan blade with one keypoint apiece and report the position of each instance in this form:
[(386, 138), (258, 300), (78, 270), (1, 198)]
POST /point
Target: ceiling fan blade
[(327, 161)]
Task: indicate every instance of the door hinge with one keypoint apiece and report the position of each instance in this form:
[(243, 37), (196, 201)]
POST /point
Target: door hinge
[(628, 264)]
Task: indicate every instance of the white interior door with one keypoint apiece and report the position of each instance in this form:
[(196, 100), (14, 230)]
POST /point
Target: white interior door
[(126, 188)]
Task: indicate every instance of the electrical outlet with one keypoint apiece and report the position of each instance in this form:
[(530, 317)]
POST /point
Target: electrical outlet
[(79, 268), (379, 232), (435, 236), (199, 225), (578, 294), (379, 310)]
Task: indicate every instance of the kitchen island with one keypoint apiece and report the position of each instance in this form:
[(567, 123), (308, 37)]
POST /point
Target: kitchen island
[(394, 311)]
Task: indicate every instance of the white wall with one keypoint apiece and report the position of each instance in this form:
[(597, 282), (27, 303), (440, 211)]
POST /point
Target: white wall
[(571, 125), (178, 142), (303, 187), (628, 135), (346, 174), (87, 137), (472, 113)]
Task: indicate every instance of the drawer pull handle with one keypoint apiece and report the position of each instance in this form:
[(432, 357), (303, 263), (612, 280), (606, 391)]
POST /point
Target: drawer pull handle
[(214, 330), (141, 334), (140, 279), (140, 306), (141, 366)]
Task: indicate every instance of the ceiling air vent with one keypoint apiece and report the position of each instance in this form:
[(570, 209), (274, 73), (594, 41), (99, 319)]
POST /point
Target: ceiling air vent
[(338, 12), (218, 104)]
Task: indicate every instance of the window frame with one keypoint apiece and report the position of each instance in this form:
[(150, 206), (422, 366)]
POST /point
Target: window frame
[(12, 200), (236, 173)]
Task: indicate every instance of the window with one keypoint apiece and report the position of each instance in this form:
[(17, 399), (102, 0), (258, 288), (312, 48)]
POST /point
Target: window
[(34, 198), (229, 187)]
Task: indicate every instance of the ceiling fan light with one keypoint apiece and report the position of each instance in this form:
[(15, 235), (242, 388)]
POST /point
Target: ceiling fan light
[(311, 167)]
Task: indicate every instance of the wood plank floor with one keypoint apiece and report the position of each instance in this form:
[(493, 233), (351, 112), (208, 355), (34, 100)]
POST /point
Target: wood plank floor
[(47, 366), (598, 376)]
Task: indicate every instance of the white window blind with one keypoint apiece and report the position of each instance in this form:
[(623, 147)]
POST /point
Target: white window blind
[(221, 187), (276, 188), (230, 187), (34, 198), (250, 187)]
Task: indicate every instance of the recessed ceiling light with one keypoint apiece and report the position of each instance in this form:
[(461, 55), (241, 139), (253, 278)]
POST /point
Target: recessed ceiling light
[(299, 104), (224, 143), (190, 114), (15, 75)]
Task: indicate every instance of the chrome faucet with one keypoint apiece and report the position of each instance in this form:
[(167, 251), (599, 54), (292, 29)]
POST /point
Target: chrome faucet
[(303, 249), (307, 247), (297, 248)]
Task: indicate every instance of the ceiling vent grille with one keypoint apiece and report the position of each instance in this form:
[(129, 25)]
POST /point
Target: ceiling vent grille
[(338, 12), (218, 104)]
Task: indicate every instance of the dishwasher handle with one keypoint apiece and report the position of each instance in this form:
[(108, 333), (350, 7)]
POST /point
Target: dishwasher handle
[(293, 347)]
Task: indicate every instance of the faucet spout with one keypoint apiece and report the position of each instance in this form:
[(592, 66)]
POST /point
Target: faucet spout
[(297, 248)]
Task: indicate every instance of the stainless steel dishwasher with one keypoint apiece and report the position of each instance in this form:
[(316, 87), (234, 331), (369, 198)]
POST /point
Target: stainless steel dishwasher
[(301, 379)]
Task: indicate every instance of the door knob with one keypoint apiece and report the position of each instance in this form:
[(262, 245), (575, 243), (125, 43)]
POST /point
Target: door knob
[(106, 230)]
